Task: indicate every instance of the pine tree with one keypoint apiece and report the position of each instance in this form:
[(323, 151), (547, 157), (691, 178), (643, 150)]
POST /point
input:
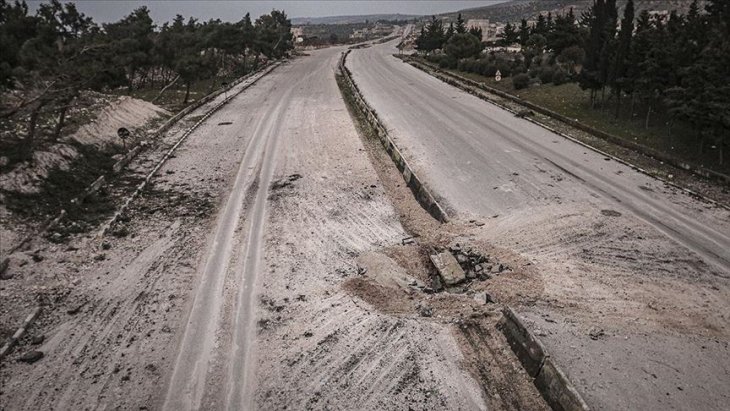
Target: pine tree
[(541, 27), (590, 76), (449, 32), (608, 45), (432, 36), (131, 39), (460, 25), (476, 32), (16, 27), (524, 33), (509, 36), (564, 34)]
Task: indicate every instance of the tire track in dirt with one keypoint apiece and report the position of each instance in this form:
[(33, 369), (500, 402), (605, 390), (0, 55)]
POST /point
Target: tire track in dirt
[(187, 385)]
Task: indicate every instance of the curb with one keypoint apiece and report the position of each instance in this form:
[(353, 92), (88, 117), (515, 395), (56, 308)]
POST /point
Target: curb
[(119, 165), (419, 190), (454, 80), (550, 380), (5, 350), (169, 153)]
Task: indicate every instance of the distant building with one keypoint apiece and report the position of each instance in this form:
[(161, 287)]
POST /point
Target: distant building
[(490, 31), (298, 34), (378, 30), (661, 14), (482, 24)]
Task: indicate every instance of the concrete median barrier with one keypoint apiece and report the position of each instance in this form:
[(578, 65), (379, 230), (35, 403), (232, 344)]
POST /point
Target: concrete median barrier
[(550, 380), (419, 190)]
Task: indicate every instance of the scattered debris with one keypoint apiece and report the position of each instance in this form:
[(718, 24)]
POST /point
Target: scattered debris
[(610, 213), (596, 333), (76, 309), (285, 182), (37, 340), (409, 240), (475, 264), (31, 356), (4, 274), (524, 113)]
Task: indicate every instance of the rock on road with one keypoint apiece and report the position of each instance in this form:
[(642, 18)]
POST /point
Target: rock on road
[(619, 251)]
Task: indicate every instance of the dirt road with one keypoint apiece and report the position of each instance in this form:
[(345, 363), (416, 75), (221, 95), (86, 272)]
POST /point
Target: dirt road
[(635, 274)]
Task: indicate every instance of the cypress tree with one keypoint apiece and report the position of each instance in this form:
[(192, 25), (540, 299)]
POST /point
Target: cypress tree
[(524, 33), (460, 25), (590, 78), (619, 82)]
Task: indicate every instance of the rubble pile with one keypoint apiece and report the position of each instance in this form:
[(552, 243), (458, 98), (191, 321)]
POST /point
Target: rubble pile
[(476, 265)]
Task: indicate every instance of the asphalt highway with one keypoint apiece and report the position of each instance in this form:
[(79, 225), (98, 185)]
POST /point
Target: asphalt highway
[(482, 160), (635, 274)]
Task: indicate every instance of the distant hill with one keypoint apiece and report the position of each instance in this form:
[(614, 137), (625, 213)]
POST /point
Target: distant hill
[(515, 10), (298, 21)]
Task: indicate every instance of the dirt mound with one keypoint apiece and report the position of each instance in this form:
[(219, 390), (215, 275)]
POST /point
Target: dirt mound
[(26, 177), (100, 132), (127, 112)]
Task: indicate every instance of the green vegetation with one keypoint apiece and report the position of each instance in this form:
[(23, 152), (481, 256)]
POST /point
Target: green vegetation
[(662, 80), (51, 57)]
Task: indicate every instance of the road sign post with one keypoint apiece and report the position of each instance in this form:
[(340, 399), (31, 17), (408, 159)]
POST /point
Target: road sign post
[(123, 133)]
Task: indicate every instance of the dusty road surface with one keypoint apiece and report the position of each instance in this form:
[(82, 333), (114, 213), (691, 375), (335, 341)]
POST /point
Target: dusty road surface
[(262, 269), (304, 202), (636, 299)]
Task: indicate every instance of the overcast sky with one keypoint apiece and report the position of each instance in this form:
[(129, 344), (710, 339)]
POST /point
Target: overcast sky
[(104, 11)]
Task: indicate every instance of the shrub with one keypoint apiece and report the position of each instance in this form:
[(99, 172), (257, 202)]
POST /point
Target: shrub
[(489, 70), (546, 75), (447, 62), (463, 45), (535, 71), (520, 81), (560, 76), (505, 69), (480, 66), (443, 60), (465, 65)]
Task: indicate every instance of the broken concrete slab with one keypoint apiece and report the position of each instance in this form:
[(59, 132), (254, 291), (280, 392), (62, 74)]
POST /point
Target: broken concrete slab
[(448, 268)]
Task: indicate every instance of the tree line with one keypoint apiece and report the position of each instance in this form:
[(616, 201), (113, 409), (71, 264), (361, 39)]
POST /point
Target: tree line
[(679, 64), (51, 56), (676, 65), (457, 40)]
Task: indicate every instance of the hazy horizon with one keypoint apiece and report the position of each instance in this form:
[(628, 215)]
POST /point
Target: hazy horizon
[(233, 10)]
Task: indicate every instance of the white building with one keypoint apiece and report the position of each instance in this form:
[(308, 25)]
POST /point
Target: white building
[(490, 31)]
